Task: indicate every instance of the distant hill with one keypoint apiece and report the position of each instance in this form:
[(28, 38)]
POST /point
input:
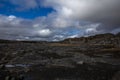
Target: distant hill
[(104, 39), (99, 39), (118, 34)]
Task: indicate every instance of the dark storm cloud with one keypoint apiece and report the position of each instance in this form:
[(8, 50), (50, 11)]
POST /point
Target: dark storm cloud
[(106, 12)]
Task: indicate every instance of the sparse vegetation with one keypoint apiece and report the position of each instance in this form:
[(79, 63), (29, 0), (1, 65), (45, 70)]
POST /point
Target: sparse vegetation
[(86, 58)]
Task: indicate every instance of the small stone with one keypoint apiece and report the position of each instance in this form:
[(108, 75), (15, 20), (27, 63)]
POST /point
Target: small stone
[(80, 62), (7, 78)]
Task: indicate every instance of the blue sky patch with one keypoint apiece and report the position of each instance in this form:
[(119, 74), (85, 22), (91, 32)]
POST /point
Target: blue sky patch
[(8, 9)]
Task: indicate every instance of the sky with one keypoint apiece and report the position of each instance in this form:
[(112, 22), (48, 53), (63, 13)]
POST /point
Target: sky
[(54, 20)]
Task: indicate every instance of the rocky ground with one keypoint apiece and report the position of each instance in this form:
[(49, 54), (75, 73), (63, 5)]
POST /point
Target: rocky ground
[(87, 58)]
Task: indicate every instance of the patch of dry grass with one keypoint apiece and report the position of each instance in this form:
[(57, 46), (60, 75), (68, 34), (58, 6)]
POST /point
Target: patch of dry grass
[(111, 50), (64, 44), (104, 45)]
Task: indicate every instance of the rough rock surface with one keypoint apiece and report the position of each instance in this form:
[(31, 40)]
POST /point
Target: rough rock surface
[(87, 58)]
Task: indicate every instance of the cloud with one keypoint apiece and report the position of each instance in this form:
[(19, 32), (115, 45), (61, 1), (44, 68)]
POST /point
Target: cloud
[(44, 32), (25, 4), (15, 28), (104, 11), (67, 11), (70, 18)]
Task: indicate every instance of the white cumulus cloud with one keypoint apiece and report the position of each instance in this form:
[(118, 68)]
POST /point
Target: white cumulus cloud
[(44, 32)]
